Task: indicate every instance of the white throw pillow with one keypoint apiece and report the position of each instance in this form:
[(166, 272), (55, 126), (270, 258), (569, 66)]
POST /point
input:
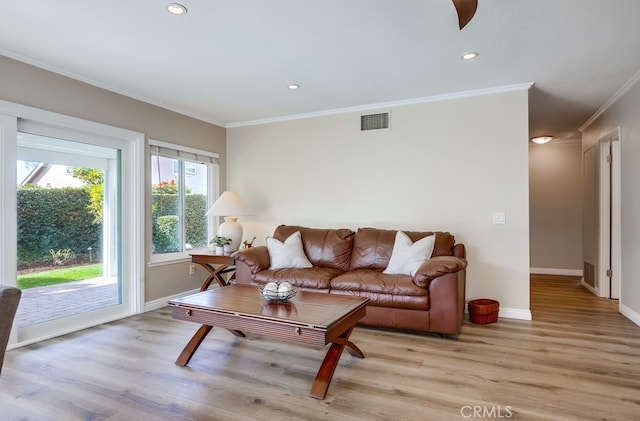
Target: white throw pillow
[(287, 254), (407, 256)]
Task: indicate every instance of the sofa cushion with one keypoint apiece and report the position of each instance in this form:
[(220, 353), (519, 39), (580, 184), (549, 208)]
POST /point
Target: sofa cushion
[(382, 289), (329, 248), (314, 278), (408, 256), (372, 247), (287, 253)]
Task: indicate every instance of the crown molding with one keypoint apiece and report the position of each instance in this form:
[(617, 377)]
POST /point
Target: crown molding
[(387, 105), (358, 108), (623, 90), (80, 78)]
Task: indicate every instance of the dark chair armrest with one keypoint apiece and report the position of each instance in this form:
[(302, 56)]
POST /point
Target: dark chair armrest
[(9, 300), (257, 258), (438, 266)]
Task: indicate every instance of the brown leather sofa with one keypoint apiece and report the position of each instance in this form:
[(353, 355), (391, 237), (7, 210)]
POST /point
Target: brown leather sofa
[(352, 263)]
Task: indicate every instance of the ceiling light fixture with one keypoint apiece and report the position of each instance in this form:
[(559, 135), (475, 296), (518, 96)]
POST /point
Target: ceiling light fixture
[(176, 9), (293, 86), (470, 56), (542, 139)]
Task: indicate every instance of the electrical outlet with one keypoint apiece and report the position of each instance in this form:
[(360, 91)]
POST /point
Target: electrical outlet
[(192, 269)]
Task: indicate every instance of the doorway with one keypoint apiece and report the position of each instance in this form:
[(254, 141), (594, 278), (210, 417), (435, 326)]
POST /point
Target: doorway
[(49, 140), (67, 214)]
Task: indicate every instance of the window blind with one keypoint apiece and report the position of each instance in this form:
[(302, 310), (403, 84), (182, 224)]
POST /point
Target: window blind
[(186, 153)]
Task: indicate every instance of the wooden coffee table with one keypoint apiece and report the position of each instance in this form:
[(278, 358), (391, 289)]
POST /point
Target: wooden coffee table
[(310, 317)]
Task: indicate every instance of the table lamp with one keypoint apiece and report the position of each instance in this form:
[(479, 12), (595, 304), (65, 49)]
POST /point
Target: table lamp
[(230, 205)]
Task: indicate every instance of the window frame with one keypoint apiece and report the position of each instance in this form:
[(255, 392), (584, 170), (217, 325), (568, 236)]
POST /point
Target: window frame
[(183, 153)]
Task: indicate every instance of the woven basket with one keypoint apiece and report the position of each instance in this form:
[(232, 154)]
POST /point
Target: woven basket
[(483, 311)]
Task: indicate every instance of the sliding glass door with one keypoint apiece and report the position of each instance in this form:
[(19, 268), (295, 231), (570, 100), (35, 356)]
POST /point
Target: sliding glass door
[(72, 218), (68, 205)]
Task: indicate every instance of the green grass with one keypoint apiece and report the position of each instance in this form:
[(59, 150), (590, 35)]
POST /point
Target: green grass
[(59, 276)]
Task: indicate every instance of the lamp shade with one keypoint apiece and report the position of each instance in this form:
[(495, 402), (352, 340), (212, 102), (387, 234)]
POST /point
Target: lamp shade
[(229, 203)]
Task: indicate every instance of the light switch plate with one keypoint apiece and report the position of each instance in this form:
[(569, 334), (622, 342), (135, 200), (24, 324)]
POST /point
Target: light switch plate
[(498, 218)]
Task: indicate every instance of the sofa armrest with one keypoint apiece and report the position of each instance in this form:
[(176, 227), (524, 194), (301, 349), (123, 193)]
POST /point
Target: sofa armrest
[(256, 258), (438, 266)]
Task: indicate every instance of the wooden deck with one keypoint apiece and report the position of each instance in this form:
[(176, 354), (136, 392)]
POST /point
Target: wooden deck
[(579, 359)]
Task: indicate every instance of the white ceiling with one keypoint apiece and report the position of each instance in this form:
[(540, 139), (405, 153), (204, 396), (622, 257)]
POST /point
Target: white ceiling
[(230, 61)]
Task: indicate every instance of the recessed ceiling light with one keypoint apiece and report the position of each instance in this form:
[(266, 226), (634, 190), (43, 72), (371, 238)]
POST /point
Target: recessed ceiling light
[(293, 86), (542, 139), (176, 9), (470, 56)]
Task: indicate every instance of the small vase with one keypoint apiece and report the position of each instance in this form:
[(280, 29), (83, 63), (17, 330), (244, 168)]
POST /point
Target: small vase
[(220, 250), (227, 249)]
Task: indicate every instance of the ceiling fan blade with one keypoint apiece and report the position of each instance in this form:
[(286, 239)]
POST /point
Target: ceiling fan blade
[(466, 9)]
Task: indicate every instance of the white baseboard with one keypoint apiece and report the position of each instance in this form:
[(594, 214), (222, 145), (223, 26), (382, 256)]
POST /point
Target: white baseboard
[(161, 302), (593, 290), (630, 314), (515, 313), (509, 313), (554, 271)]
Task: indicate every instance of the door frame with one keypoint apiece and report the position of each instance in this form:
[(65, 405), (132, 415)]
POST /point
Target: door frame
[(132, 222), (8, 206), (609, 202)]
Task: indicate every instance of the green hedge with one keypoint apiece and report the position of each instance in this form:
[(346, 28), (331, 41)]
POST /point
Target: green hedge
[(164, 205), (55, 219), (167, 234), (59, 218)]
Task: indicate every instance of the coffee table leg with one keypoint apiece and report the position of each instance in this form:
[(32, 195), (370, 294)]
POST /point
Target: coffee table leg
[(330, 362), (196, 340), (192, 345), (238, 333), (354, 350)]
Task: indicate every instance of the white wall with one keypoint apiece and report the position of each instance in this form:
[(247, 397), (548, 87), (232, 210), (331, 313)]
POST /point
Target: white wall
[(623, 113), (443, 166), (555, 199)]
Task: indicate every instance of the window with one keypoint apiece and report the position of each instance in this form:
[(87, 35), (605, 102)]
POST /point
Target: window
[(190, 168), (184, 181)]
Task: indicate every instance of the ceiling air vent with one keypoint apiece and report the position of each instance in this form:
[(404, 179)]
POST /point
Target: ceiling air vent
[(374, 121)]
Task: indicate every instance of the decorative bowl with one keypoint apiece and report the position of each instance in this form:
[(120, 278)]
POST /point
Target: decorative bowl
[(273, 296)]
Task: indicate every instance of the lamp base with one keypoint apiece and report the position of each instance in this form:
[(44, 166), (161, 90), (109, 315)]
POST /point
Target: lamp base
[(231, 228)]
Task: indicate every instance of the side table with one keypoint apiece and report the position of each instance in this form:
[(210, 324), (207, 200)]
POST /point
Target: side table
[(216, 265)]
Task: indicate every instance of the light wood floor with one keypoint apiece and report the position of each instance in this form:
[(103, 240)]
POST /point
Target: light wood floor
[(577, 360)]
